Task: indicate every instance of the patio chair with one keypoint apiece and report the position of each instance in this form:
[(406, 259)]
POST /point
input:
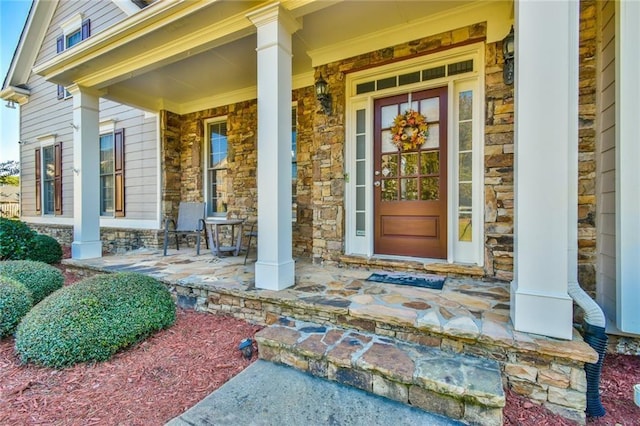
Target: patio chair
[(190, 222), (253, 235)]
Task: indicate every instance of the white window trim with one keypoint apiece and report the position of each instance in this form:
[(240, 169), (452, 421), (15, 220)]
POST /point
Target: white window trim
[(205, 160), (68, 27), (364, 245), (71, 25), (107, 127), (44, 141)]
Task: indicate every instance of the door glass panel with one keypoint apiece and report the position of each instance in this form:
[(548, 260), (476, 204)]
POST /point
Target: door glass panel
[(465, 136), (433, 137), (466, 104), (360, 147), (360, 120), (388, 113), (430, 163), (409, 189), (360, 224), (465, 166), (430, 108), (409, 164), (360, 198), (405, 106), (387, 144), (360, 173), (429, 188), (389, 189), (389, 165), (465, 228), (464, 197)]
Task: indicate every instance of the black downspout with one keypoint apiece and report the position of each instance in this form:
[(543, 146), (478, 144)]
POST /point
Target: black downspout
[(596, 338)]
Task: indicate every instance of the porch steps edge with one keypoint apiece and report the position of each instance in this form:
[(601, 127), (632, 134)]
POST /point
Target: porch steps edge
[(458, 386)]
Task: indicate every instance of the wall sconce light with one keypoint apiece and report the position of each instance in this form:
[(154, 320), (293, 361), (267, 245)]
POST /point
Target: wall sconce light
[(321, 94), (508, 52), (11, 104)]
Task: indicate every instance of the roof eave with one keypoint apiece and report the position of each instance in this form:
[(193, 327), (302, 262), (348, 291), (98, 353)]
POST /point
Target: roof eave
[(31, 39)]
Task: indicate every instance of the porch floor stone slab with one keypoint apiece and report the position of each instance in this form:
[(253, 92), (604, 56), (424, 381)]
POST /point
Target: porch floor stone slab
[(468, 316), (460, 308), (390, 367)]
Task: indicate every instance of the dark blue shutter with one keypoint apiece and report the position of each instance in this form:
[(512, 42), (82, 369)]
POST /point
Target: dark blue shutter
[(86, 29), (60, 48)]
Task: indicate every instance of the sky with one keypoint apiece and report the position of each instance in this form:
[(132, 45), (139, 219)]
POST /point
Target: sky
[(13, 14)]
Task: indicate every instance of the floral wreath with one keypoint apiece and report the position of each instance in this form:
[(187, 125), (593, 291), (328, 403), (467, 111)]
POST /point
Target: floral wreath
[(409, 130)]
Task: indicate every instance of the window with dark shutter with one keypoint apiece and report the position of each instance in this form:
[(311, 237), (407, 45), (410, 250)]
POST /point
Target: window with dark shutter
[(66, 41), (118, 172), (60, 48), (38, 182), (57, 181), (86, 29)]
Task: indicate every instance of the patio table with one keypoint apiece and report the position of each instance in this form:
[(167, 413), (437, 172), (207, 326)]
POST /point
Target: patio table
[(214, 235)]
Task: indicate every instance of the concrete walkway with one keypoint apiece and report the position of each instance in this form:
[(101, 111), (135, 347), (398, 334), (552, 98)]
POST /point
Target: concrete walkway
[(270, 394)]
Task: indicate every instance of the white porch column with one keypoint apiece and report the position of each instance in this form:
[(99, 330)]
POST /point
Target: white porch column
[(627, 171), (275, 268), (86, 175), (546, 166)]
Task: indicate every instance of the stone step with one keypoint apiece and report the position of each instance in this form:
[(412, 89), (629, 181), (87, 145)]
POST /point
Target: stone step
[(458, 386)]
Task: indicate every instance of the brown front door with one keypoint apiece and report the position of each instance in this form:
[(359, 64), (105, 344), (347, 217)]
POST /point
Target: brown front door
[(410, 185)]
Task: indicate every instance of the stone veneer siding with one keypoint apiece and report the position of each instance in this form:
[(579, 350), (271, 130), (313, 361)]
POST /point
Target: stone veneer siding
[(319, 230), (186, 156), (587, 254), (114, 240)]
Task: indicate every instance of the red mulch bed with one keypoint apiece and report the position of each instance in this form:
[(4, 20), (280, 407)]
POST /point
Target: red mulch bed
[(619, 374), (148, 384), (163, 376)]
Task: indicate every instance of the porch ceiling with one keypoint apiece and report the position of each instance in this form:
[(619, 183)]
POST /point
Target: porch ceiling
[(187, 56)]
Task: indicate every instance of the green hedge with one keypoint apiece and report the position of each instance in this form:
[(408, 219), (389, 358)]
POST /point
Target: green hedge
[(93, 319), (40, 278), (46, 249), (15, 302), (16, 239)]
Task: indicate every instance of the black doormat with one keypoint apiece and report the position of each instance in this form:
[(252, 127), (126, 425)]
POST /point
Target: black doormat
[(435, 282)]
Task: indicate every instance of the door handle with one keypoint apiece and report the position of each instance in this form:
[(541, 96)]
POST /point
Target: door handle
[(376, 183), (377, 173)]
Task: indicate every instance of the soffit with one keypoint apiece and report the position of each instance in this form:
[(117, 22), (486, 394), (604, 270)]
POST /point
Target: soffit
[(185, 55)]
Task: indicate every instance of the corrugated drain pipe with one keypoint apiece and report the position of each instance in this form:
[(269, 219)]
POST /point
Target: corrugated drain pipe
[(595, 336)]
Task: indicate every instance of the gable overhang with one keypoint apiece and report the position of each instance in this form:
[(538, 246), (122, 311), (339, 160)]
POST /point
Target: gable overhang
[(186, 56), (31, 38)]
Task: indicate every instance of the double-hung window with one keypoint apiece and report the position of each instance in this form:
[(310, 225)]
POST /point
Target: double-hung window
[(112, 173), (74, 30), (48, 177), (217, 164), (107, 182)]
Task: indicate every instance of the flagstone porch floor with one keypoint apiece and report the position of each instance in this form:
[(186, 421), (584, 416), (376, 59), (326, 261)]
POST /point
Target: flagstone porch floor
[(466, 309), (468, 316)]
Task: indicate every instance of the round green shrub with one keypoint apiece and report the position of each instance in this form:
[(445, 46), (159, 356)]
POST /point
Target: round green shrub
[(46, 249), (16, 239), (40, 278), (93, 319), (15, 302)]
